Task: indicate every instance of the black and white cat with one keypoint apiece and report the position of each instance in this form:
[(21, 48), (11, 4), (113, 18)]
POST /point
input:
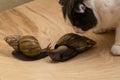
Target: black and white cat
[(101, 15)]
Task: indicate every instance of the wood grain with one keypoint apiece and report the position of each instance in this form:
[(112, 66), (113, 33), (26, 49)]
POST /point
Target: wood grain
[(43, 19)]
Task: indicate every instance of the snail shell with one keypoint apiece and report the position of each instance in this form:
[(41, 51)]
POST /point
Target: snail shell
[(69, 45), (30, 46), (26, 47), (76, 42)]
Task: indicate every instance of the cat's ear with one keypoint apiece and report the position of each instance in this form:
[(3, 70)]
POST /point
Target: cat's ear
[(81, 8)]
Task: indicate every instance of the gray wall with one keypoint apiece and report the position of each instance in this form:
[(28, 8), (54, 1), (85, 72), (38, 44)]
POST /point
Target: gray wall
[(7, 4)]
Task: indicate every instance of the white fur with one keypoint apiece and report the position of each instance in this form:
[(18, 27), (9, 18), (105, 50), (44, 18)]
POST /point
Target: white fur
[(116, 49), (107, 13)]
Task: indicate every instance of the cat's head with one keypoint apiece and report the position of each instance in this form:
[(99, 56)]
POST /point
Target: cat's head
[(79, 14)]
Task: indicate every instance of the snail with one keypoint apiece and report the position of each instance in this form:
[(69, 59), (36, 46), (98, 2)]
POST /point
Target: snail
[(70, 45), (26, 47)]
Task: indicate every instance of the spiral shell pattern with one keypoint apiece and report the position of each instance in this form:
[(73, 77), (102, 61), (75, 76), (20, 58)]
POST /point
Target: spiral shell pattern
[(29, 46)]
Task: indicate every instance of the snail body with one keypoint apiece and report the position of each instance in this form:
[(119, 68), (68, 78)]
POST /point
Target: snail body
[(69, 45), (26, 47)]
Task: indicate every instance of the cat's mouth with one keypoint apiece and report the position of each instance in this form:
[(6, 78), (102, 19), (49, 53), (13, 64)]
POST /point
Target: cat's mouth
[(78, 30)]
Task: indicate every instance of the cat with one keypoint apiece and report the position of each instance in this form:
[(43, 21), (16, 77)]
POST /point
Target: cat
[(99, 15)]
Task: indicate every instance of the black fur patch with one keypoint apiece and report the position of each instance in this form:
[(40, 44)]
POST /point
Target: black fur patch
[(85, 20)]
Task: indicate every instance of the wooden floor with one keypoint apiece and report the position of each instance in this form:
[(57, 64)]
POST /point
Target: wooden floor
[(43, 19)]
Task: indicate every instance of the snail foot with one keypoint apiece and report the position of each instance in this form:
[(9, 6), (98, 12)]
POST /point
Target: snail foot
[(19, 55)]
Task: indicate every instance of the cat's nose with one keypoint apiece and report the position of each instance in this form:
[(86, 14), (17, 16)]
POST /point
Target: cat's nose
[(78, 30)]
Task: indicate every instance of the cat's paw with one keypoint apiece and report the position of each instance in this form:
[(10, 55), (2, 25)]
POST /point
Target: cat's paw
[(116, 49), (99, 31)]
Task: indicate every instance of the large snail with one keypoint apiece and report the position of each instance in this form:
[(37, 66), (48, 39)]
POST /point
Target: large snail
[(69, 45), (26, 47)]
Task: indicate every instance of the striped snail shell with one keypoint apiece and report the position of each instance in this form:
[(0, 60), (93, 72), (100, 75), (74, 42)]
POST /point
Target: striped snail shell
[(75, 41), (26, 47), (30, 46)]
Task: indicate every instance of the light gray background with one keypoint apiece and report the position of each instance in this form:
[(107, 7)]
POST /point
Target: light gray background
[(7, 4)]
